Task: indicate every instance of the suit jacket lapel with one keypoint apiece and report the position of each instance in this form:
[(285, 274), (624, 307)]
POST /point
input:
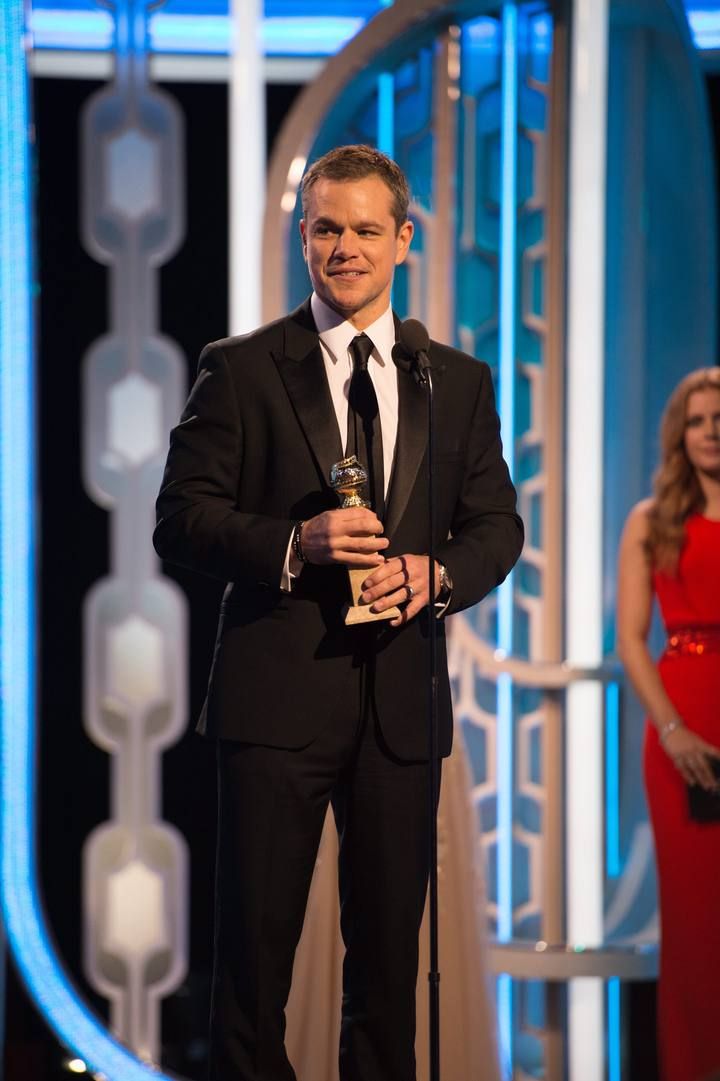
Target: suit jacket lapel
[(302, 370), (409, 448)]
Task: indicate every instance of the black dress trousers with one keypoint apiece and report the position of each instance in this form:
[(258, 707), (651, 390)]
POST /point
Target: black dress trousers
[(272, 806)]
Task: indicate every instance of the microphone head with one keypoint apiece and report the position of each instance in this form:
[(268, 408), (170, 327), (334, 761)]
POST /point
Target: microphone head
[(401, 358), (413, 337)]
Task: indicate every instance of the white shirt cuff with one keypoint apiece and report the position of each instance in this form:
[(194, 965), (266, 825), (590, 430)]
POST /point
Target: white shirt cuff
[(291, 567), (441, 607)]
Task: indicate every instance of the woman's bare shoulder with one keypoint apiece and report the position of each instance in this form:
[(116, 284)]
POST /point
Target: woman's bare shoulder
[(638, 520)]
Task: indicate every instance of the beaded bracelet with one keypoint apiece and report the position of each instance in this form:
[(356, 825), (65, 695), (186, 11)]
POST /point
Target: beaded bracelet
[(297, 542), (669, 728)]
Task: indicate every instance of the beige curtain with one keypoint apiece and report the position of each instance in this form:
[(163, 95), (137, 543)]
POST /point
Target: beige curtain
[(468, 1046)]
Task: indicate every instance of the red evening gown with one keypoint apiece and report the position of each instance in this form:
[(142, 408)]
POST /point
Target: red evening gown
[(688, 852)]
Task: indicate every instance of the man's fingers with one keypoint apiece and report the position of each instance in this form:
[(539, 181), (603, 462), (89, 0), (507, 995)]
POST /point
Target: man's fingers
[(362, 545), (354, 520), (350, 536), (362, 530), (400, 581), (361, 542), (391, 576), (414, 602), (378, 584), (355, 557), (358, 559), (409, 612)]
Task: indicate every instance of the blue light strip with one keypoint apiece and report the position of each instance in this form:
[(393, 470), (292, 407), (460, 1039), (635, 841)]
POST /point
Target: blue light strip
[(25, 926), (508, 302), (60, 28), (386, 117), (17, 614), (705, 29), (320, 35), (612, 780), (386, 108), (504, 1000), (613, 1031), (3, 984), (55, 28), (386, 114)]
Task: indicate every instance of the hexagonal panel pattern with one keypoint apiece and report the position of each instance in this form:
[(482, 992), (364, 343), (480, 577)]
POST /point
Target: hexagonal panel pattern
[(135, 920), (135, 662), (133, 172), (135, 419)]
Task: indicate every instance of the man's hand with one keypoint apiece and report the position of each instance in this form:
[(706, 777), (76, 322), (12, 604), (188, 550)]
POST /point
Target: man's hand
[(401, 579), (351, 535)]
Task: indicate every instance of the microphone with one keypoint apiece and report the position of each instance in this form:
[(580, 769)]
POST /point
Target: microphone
[(410, 352)]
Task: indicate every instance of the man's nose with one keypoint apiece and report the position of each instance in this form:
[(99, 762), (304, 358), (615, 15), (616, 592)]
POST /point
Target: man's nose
[(346, 245)]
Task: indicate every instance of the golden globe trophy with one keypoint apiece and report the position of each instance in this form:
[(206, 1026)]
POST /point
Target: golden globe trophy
[(348, 477)]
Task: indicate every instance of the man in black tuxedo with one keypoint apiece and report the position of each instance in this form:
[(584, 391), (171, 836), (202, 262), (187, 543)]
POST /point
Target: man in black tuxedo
[(307, 711)]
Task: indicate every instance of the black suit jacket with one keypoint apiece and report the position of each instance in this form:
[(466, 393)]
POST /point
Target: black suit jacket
[(251, 455)]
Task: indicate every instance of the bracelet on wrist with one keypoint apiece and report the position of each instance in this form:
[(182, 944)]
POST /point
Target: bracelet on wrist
[(668, 729), (297, 542)]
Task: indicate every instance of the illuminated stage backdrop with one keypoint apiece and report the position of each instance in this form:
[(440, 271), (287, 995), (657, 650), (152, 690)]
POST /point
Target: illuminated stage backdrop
[(473, 99)]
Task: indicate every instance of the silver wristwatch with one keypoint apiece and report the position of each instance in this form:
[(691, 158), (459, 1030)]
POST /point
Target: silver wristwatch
[(446, 584)]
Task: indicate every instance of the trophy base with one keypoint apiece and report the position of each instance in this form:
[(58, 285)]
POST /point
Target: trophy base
[(358, 612)]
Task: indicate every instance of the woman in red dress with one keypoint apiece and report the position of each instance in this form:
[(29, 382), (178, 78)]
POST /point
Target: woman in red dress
[(671, 549)]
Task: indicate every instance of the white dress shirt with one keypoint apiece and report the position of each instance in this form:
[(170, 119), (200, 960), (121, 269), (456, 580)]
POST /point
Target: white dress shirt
[(336, 334)]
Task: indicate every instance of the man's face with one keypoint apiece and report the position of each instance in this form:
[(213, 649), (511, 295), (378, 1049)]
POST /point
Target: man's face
[(351, 245)]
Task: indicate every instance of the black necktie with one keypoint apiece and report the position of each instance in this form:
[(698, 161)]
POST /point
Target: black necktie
[(364, 436)]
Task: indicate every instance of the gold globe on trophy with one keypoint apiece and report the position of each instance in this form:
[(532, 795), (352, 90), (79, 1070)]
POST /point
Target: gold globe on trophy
[(348, 478)]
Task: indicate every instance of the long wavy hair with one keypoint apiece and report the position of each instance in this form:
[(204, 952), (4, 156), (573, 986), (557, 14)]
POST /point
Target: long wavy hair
[(676, 486)]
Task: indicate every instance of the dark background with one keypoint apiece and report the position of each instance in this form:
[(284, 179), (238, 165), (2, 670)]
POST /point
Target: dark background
[(73, 788)]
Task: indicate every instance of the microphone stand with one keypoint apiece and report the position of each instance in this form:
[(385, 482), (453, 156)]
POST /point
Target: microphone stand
[(414, 358), (434, 974), (426, 378)]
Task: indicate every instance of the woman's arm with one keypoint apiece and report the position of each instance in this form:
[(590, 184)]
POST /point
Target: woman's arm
[(635, 598)]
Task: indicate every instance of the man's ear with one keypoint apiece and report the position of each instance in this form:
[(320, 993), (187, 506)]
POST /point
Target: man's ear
[(404, 237), (303, 235)]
